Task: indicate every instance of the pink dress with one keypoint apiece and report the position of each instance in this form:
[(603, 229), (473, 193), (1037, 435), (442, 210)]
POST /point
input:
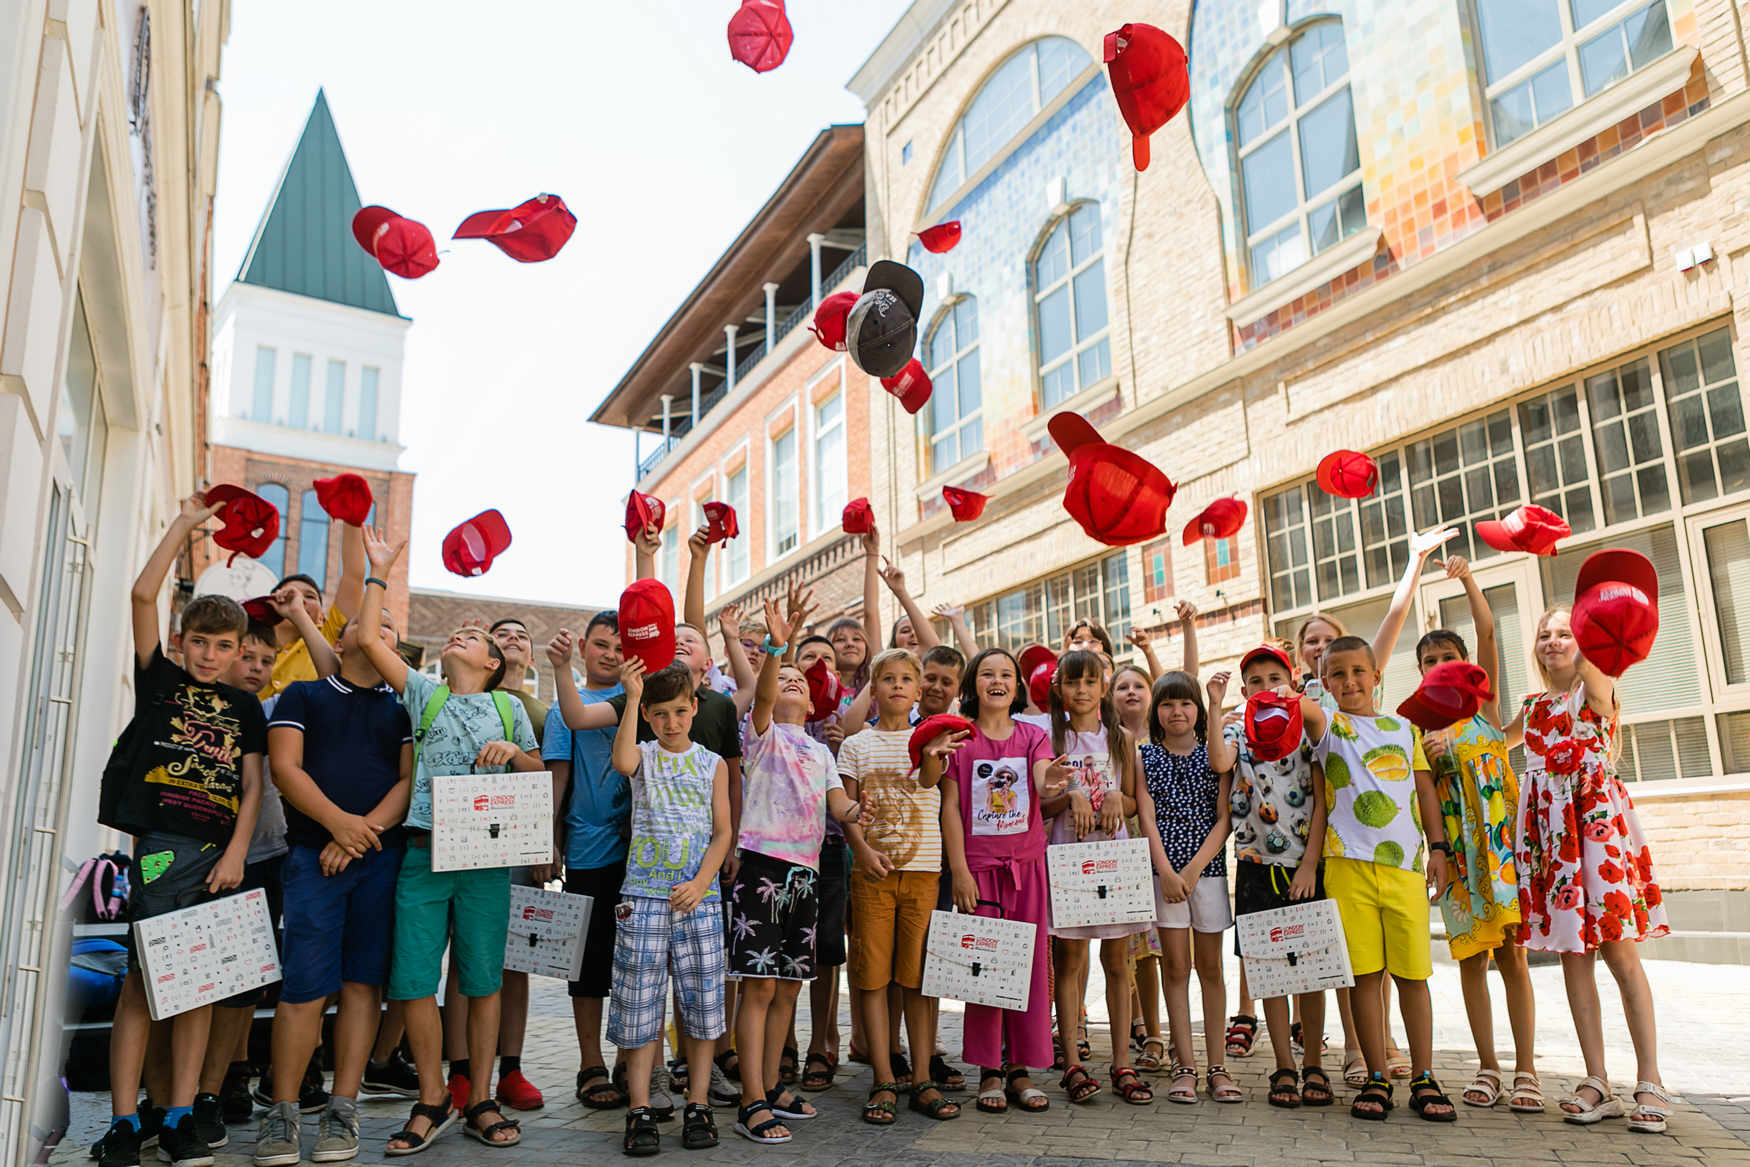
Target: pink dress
[(1097, 774), (1585, 874)]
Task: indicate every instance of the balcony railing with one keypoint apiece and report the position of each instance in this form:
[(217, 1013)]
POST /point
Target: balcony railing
[(843, 271)]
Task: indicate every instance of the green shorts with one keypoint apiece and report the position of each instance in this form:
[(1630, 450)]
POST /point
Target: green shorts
[(469, 910)]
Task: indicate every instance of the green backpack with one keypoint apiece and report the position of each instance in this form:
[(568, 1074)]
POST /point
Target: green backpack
[(435, 704)]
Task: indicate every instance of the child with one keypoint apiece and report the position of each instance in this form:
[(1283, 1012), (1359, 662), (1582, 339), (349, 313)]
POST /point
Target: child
[(1130, 690), (1186, 780), (995, 838), (944, 666), (293, 661), (792, 785), (1478, 794), (1102, 758), (670, 916), (898, 863), (462, 726), (1274, 807), (1587, 885), (1376, 784), (185, 779)]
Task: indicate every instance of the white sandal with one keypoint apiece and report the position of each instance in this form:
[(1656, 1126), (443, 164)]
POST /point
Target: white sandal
[(1178, 1091), (1488, 1084), (1587, 1113), (1525, 1086), (1648, 1118)]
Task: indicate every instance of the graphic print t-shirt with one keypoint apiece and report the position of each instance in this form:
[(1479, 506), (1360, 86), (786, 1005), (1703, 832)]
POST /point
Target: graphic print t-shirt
[(1370, 790), (465, 723), (671, 820), (178, 766), (1090, 756), (908, 818), (998, 809)]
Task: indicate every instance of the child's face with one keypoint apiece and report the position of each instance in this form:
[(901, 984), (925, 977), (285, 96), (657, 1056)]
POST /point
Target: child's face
[(1556, 649), (1130, 695), (1082, 638), (208, 656), (1318, 634), (1350, 676), (849, 646), (809, 653), (672, 720), (941, 683), (793, 700), (1177, 716), (348, 648), (750, 648), (1265, 676), (690, 650), (467, 648), (299, 590), (996, 684), (253, 666), (601, 656), (1081, 695), (904, 636), (1437, 652), (513, 642), (896, 689)]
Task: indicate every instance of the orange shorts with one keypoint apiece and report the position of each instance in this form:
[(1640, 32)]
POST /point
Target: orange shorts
[(893, 920)]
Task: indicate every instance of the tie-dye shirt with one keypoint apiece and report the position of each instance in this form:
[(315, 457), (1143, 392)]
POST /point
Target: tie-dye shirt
[(671, 820), (785, 777)]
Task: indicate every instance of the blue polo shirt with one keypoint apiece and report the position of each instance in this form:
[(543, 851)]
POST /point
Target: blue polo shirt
[(598, 807), (352, 748)]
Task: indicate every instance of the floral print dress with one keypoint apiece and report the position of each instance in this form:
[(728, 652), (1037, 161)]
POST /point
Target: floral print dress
[(1478, 796), (1586, 876)]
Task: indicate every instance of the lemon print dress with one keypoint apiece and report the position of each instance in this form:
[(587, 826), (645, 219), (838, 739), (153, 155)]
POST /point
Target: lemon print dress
[(1478, 794), (1370, 790)]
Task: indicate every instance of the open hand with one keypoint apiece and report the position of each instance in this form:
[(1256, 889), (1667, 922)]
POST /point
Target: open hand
[(729, 622), (380, 552), (1058, 775), (559, 650), (195, 509), (776, 625), (948, 611), (1424, 543), (944, 745), (632, 679)]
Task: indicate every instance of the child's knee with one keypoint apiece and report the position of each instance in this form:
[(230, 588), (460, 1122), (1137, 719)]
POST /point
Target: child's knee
[(1115, 960), (1209, 965)]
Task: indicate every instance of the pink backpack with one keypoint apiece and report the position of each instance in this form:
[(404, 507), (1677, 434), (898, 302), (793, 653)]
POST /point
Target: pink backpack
[(99, 891)]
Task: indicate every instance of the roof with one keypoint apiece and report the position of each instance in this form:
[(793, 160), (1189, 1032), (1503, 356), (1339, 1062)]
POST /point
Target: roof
[(304, 242)]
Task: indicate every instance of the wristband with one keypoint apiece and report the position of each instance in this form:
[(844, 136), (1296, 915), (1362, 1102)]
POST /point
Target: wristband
[(371, 579), (771, 649), (1443, 847)]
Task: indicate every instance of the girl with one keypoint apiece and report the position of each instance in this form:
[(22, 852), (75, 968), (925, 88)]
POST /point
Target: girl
[(994, 835), (1087, 635), (1481, 905), (850, 646), (1186, 780), (1130, 685), (1085, 729), (1588, 884)]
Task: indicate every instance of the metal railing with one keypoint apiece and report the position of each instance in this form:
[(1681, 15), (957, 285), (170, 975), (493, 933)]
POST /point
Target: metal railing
[(842, 272)]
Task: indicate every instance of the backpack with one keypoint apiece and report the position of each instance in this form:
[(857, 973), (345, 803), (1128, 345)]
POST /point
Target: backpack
[(99, 891), (435, 704)]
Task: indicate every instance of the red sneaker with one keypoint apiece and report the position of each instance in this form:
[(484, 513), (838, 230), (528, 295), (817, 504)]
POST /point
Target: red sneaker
[(518, 1093), (460, 1088)]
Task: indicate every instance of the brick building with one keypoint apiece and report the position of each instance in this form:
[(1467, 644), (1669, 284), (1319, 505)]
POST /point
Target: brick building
[(433, 615)]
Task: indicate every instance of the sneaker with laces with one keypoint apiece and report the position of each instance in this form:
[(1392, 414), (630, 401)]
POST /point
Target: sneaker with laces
[(722, 1091), (119, 1146), (209, 1120), (395, 1078), (234, 1098), (337, 1137), (661, 1105), (182, 1146), (276, 1144), (312, 1095), (518, 1093)]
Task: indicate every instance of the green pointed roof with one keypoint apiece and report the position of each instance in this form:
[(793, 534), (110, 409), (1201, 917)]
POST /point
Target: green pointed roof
[(304, 242)]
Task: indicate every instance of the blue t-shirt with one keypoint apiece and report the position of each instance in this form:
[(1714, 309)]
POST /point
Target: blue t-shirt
[(598, 806), (466, 722), (352, 748)]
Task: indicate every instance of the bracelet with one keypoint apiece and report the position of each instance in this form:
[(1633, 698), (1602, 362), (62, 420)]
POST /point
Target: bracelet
[(382, 583), (1443, 847), (771, 649)]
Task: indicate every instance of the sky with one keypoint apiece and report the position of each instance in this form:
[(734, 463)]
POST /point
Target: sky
[(635, 114)]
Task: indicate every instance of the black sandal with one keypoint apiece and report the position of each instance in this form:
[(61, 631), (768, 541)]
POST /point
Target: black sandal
[(733, 1073), (642, 1138), (901, 1066), (1315, 1093), (1284, 1088), (757, 1131), (1242, 1033), (698, 1128), (605, 1096), (813, 1080), (440, 1116), (990, 1099), (938, 1108), (787, 1066), (472, 1128), (882, 1113), (1425, 1093), (945, 1075), (790, 1111), (678, 1075), (1377, 1093), (1128, 1086)]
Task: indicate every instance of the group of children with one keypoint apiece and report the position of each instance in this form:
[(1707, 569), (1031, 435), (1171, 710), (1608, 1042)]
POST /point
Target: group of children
[(734, 823)]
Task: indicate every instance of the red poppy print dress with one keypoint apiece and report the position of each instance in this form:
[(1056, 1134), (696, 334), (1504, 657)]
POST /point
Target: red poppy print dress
[(1585, 874)]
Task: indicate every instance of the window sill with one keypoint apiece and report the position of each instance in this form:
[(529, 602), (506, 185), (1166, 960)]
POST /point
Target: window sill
[(963, 469), (1314, 273), (1585, 121), (1085, 401)]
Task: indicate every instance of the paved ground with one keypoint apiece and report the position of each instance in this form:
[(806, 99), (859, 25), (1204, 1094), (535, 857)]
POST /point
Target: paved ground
[(1704, 1024)]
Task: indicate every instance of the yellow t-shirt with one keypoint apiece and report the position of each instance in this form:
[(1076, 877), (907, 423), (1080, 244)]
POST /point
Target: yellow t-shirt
[(293, 662)]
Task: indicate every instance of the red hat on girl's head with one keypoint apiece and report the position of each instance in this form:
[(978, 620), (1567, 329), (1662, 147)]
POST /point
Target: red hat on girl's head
[(912, 385), (251, 522), (642, 511), (1452, 691), (647, 623), (1116, 496), (471, 547), (1149, 79), (829, 320), (1273, 725), (1348, 474), (859, 517), (1038, 666), (1221, 519), (401, 245), (720, 523), (942, 237), (1616, 609), (931, 728), (529, 232), (760, 34), (345, 496), (964, 505), (825, 690), (1528, 528)]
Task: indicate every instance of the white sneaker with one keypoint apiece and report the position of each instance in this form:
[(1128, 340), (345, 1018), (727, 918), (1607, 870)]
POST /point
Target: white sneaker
[(722, 1091), (661, 1105)]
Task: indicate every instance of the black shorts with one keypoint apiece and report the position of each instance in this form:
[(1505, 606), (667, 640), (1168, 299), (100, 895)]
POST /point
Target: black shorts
[(833, 891), (169, 873), (1262, 887), (776, 910), (601, 884), (265, 875)]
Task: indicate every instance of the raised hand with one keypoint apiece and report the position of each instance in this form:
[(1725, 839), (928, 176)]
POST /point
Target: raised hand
[(871, 540), (197, 510), (948, 611), (944, 745), (729, 622), (380, 551), (892, 574), (632, 678), (1217, 688), (650, 539), (1423, 543), (1139, 636), (776, 625), (559, 650), (1457, 567), (1185, 610), (698, 541)]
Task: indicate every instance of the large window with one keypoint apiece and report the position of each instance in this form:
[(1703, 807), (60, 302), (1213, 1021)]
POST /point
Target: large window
[(1045, 610), (274, 558), (736, 554), (82, 421), (368, 377), (1069, 298), (1299, 163), (300, 413), (951, 419), (1648, 455), (334, 401), (261, 405), (785, 501), (1011, 97), (1537, 55), (828, 493), (668, 564), (313, 539)]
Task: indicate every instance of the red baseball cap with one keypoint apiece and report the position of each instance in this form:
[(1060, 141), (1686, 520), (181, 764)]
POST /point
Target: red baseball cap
[(401, 245), (1273, 725), (830, 317), (760, 35), (529, 232), (931, 728), (1616, 609), (721, 524), (1118, 497), (647, 623), (965, 505), (642, 511), (345, 496), (1452, 691), (1529, 528), (1271, 652), (940, 238), (1221, 519), (251, 522), (1038, 666), (1149, 79), (1348, 474), (911, 385), (859, 517), (261, 611), (825, 690), (470, 547)]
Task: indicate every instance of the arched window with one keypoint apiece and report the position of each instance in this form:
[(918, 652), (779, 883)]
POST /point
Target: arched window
[(1069, 303), (1010, 98), (313, 539), (1299, 166), (951, 420), (274, 558)]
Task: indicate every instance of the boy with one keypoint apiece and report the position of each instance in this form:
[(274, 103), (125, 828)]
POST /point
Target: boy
[(669, 917), (940, 688), (462, 727), (341, 750), (898, 865), (185, 778), (293, 662), (1275, 808), (1377, 782)]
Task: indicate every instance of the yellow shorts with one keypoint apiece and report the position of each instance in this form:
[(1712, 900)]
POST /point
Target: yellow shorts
[(1385, 917)]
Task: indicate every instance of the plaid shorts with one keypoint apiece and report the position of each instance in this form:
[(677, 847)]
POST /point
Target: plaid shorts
[(650, 942)]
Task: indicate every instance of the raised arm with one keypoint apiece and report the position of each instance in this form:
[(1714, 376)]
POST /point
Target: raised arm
[(1186, 611), (648, 543), (955, 615), (1600, 687), (698, 556), (322, 654), (920, 625), (766, 688), (1222, 752), (1483, 620), (350, 592), (872, 586), (729, 624), (1145, 644), (626, 739), (1422, 545), (144, 597), (384, 659)]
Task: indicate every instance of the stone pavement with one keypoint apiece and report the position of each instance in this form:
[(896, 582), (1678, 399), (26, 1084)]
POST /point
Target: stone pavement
[(1704, 1026)]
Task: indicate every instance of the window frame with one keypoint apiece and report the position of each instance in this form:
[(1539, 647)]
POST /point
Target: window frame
[(281, 540), (739, 462), (1727, 696), (786, 420), (1077, 344), (928, 434), (1064, 595), (818, 394)]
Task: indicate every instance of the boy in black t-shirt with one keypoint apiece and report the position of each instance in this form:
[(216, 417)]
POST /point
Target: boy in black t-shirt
[(185, 779)]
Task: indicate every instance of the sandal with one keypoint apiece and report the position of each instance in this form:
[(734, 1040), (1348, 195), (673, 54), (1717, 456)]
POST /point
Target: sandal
[(1028, 1098), (788, 1106), (483, 1134), (1084, 1051), (439, 1116), (1059, 1059), (990, 1098), (1184, 1086), (1138, 1035), (642, 1138), (945, 1074), (1397, 1063), (1284, 1088), (1526, 1097), (1427, 1101), (1131, 1088), (1147, 1061), (679, 1074), (787, 1066), (724, 1062), (698, 1127), (1229, 1093), (1315, 1093), (1373, 1101), (1078, 1084), (1242, 1033), (1355, 1071), (1650, 1118), (938, 1108), (759, 1132), (605, 1095), (882, 1113), (1485, 1087), (901, 1069), (813, 1080), (1578, 1111)]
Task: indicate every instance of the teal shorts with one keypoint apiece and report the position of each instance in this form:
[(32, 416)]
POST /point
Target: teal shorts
[(469, 910)]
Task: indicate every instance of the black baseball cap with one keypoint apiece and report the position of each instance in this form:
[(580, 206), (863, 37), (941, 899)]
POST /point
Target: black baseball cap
[(881, 331)]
